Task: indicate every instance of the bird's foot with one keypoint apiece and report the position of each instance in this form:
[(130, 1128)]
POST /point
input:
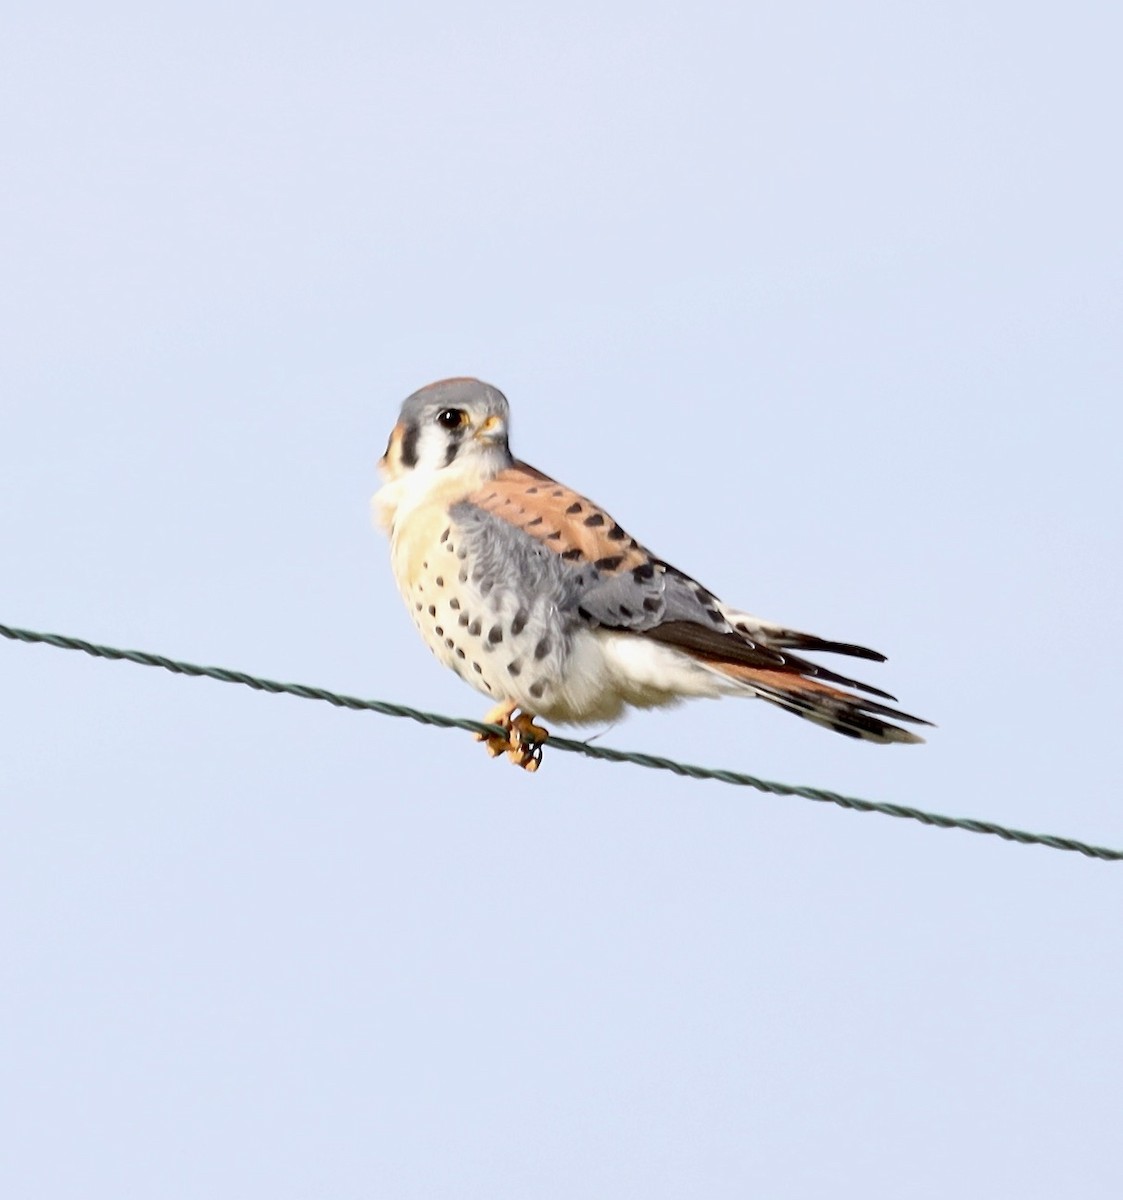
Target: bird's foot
[(522, 740), (527, 740)]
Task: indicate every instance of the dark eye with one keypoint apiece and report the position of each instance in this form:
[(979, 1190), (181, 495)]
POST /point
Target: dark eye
[(451, 418)]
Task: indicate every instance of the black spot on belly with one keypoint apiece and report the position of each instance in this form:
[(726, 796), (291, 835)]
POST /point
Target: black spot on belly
[(444, 536), (418, 605), (477, 668), (519, 623), (474, 629), (463, 577), (454, 604), (495, 635), (439, 630), (514, 667), (651, 604), (432, 610), (459, 652), (538, 689), (462, 619), (440, 581), (542, 649)]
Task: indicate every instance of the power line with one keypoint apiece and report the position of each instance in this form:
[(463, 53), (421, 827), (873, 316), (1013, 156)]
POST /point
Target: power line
[(603, 753)]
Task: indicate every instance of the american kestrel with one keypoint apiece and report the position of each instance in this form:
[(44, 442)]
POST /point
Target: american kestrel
[(537, 597)]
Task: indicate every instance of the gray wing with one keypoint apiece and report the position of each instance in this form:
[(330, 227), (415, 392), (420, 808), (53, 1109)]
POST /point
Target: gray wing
[(640, 594), (639, 598)]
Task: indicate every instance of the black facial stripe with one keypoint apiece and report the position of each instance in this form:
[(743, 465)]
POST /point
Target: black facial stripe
[(455, 439), (409, 445)]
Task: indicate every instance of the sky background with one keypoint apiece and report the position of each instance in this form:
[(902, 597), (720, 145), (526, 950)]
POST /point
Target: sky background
[(823, 303)]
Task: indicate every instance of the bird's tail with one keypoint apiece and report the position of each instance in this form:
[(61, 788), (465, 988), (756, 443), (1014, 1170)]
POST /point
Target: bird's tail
[(770, 633), (844, 712)]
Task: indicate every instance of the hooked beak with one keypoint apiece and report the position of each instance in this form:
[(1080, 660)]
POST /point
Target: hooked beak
[(493, 429)]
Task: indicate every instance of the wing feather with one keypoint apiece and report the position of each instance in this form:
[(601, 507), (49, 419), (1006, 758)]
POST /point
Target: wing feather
[(600, 576)]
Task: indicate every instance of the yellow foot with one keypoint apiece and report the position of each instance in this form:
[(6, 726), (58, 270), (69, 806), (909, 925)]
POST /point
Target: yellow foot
[(527, 740), (500, 715), (522, 742)]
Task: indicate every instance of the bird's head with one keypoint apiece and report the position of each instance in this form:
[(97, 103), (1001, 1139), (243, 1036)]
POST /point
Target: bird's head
[(454, 426)]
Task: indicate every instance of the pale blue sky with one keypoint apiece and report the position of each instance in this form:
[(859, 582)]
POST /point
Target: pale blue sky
[(823, 303)]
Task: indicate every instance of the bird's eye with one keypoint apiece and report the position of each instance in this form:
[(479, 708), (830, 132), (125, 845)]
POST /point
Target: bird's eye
[(451, 418)]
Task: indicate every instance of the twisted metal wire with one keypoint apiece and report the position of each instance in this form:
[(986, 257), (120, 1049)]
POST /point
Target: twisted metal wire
[(603, 753)]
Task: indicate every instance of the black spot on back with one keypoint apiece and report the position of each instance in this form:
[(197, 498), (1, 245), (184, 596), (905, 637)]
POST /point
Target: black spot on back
[(573, 555), (575, 507), (609, 563), (616, 534), (594, 520)]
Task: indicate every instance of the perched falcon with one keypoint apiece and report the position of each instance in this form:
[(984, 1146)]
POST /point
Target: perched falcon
[(536, 596)]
